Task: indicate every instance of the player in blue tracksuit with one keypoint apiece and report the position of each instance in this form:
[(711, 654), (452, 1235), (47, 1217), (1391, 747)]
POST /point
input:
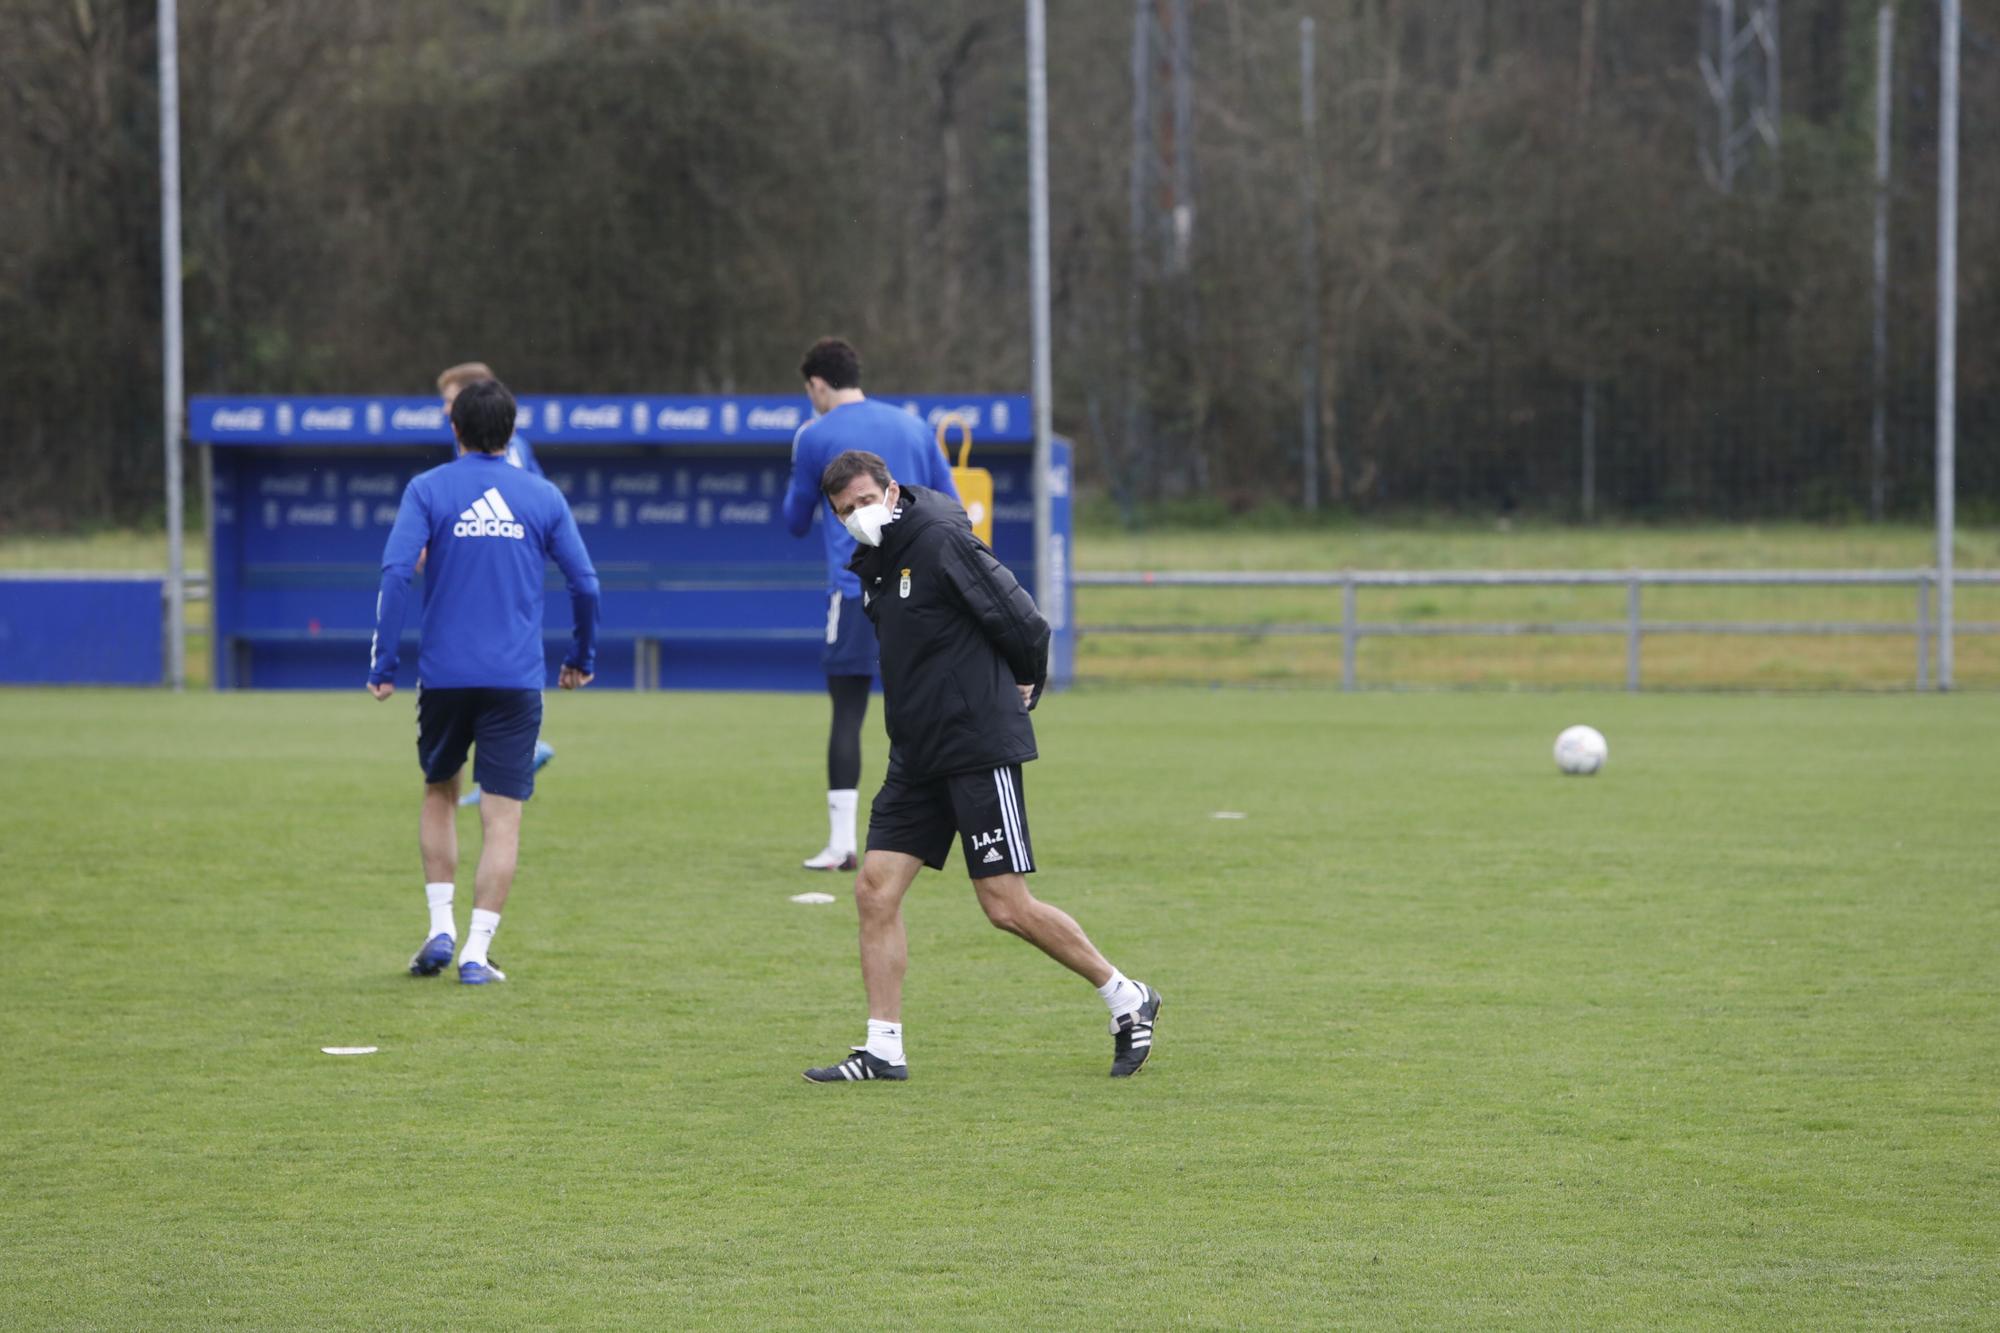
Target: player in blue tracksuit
[(847, 419), (519, 453), (488, 531)]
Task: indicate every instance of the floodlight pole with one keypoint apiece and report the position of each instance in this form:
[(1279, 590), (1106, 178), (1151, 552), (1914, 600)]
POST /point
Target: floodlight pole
[(1878, 433), (172, 388), (1947, 331), (1309, 183), (1038, 267)]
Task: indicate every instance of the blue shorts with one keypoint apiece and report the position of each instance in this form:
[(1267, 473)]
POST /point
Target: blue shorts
[(850, 638), (504, 724)]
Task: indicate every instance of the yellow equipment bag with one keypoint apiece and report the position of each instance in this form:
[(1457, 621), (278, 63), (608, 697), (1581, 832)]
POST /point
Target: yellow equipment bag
[(975, 484)]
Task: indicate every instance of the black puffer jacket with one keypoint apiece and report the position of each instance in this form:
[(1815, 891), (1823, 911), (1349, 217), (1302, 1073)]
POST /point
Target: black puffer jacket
[(957, 631)]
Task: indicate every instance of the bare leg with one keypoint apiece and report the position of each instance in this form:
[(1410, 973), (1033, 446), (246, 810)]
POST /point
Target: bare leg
[(1011, 907), (437, 831), (885, 950), (500, 847)]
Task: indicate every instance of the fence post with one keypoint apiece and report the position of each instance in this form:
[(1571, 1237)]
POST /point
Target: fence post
[(1348, 631), (1632, 632), (1923, 632)]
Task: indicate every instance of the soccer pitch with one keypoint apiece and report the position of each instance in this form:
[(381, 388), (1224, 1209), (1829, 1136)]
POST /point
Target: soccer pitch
[(1707, 1040)]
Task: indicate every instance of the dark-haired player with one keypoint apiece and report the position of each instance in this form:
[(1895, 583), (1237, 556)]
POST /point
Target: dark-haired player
[(519, 453), (846, 418), (490, 531)]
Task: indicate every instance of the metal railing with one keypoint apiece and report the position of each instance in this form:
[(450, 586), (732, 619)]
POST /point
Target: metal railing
[(1634, 627)]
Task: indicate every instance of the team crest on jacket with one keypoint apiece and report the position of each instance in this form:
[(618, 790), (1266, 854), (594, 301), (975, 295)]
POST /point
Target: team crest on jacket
[(904, 587)]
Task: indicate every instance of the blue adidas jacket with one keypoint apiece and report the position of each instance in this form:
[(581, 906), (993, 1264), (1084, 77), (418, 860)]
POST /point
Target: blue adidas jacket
[(491, 529), (902, 441)]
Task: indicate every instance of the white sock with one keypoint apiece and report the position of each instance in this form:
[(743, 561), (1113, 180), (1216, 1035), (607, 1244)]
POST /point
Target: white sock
[(840, 808), (440, 899), (484, 923), (885, 1041), (1121, 994)]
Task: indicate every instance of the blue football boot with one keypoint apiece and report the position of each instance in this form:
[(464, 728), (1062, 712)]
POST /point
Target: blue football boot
[(479, 974), (433, 958)]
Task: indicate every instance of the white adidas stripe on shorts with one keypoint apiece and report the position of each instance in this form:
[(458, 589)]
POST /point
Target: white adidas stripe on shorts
[(1010, 818)]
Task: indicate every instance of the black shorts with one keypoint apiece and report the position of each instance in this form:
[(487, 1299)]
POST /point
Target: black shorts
[(983, 810), (505, 723)]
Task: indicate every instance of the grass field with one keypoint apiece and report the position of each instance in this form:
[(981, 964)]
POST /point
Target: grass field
[(1706, 1041), (1683, 662)]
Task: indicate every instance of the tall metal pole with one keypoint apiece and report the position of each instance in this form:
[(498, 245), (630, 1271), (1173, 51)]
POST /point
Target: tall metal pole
[(1726, 64), (170, 333), (1038, 279), (1947, 332), (1310, 409), (1878, 436), (1182, 60), (1142, 151)]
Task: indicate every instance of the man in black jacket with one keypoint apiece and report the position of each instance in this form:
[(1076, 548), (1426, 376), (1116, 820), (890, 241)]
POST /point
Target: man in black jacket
[(964, 658)]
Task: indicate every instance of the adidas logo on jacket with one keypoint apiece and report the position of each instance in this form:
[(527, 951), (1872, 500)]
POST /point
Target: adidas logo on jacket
[(489, 517)]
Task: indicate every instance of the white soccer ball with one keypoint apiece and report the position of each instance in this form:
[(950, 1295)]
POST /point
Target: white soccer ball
[(1581, 751)]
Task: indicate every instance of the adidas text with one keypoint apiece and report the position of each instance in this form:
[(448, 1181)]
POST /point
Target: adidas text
[(489, 517), (488, 527)]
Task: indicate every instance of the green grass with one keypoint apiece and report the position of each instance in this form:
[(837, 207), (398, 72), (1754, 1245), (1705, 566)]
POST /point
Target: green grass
[(1705, 1041), (105, 548), (1449, 544), (1686, 662)]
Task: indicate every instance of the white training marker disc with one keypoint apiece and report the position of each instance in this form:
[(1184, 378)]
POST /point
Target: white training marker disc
[(350, 1050), (812, 897), (1229, 814)]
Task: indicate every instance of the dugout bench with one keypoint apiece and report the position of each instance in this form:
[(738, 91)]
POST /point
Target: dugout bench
[(678, 498)]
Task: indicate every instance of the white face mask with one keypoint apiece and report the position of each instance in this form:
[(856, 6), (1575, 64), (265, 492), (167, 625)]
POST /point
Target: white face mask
[(866, 523)]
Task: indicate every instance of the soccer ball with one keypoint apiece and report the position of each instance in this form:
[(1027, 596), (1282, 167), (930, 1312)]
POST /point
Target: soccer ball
[(1581, 751)]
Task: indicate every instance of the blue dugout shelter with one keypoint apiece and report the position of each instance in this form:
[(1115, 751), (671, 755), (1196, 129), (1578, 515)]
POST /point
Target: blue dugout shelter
[(677, 498)]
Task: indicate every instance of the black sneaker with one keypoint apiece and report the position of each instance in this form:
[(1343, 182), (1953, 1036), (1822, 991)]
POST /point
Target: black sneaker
[(860, 1067), (1132, 1035)]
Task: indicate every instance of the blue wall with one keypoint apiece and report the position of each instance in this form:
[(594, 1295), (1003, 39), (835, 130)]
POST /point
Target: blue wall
[(81, 631)]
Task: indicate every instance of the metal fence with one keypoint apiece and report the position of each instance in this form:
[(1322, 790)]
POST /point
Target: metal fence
[(1634, 627)]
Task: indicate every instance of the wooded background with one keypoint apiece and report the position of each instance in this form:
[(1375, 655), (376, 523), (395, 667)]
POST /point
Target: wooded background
[(677, 197)]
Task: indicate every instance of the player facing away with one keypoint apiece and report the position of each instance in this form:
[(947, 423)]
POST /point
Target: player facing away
[(490, 530), (519, 453), (964, 660), (845, 418)]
